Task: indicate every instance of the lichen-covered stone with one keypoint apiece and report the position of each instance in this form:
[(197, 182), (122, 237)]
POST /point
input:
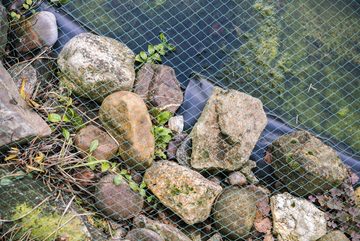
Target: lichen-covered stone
[(334, 236), (143, 234), (106, 149), (168, 232), (96, 66), (17, 121), (4, 25), (19, 197), (357, 196), (40, 30), (126, 118), (296, 219), (227, 130), (118, 202), (184, 191), (158, 85), (305, 164), (25, 76), (234, 212)]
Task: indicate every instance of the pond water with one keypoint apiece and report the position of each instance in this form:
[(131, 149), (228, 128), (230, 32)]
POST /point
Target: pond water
[(301, 58)]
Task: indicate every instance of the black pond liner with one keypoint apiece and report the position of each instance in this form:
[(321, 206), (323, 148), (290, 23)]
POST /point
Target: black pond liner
[(197, 91)]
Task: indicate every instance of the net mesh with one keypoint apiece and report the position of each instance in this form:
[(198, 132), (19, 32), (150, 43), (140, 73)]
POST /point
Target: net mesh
[(121, 164)]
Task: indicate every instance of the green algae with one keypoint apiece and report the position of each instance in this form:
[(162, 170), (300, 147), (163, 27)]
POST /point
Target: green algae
[(303, 61), (43, 225)]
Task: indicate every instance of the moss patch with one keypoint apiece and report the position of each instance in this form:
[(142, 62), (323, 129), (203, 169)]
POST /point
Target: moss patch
[(45, 225)]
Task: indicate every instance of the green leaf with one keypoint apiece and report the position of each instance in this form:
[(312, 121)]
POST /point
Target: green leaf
[(142, 185), (91, 163), (123, 172), (162, 37), (5, 181), (156, 57), (171, 47), (161, 50), (138, 58), (26, 6), (133, 186), (54, 118), (13, 14), (65, 133), (105, 166), (117, 180), (163, 117), (127, 176), (149, 199), (29, 2), (151, 49), (142, 192), (93, 145), (143, 55)]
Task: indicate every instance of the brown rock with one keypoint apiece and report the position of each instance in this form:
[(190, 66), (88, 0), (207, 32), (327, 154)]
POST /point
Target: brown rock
[(334, 236), (158, 85), (117, 202), (143, 234), (357, 196), (184, 191), (125, 116), (107, 147), (237, 179), (227, 131)]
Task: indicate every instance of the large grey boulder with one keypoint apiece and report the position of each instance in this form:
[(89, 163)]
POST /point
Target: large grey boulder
[(143, 234), (96, 66), (227, 130), (167, 232), (296, 219), (305, 164), (184, 191), (4, 25), (17, 121)]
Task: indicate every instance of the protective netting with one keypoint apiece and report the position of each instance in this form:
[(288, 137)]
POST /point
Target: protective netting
[(97, 147)]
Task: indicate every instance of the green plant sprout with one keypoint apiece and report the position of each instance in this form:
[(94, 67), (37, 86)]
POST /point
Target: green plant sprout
[(162, 134), (154, 52)]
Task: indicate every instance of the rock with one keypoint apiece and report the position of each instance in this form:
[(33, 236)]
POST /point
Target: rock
[(20, 196), (143, 234), (184, 191), (125, 116), (247, 171), (296, 219), (227, 130), (183, 153), (158, 85), (215, 237), (96, 66), (167, 232), (17, 121), (40, 30), (174, 145), (24, 74), (334, 236), (357, 196), (106, 149), (234, 212), (117, 202), (237, 179), (4, 25), (176, 124), (302, 157), (84, 177)]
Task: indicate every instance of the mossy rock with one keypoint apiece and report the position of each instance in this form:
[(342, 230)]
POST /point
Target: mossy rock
[(305, 164)]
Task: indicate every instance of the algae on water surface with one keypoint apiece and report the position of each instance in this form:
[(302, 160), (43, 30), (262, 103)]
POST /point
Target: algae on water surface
[(302, 60)]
